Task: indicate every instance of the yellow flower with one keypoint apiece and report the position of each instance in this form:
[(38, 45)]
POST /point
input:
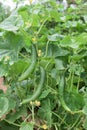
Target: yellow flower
[(37, 103), (39, 52), (44, 127), (28, 24), (7, 58), (34, 39), (30, 1), (31, 103), (43, 15)]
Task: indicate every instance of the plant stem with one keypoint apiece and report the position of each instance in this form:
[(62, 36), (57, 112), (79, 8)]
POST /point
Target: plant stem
[(33, 113), (47, 48), (11, 123), (41, 26), (75, 123), (27, 117), (60, 118), (72, 77)]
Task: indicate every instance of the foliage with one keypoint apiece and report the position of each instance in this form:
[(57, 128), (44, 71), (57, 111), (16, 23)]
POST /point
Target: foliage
[(4, 12), (60, 40)]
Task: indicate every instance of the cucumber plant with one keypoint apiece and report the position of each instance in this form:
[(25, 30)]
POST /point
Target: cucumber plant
[(59, 89)]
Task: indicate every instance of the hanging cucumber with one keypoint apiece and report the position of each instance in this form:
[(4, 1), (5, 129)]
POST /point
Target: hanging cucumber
[(38, 91), (61, 92), (32, 66)]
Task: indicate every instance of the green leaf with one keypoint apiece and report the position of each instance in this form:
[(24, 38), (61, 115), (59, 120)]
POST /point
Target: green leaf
[(34, 20), (59, 64), (55, 51), (10, 45), (3, 68), (17, 68), (55, 37), (12, 104), (24, 13), (4, 104), (44, 94), (45, 111), (78, 1), (12, 23), (54, 73), (19, 113), (85, 100), (69, 42), (74, 100), (26, 126), (81, 40), (5, 126), (85, 124), (85, 18)]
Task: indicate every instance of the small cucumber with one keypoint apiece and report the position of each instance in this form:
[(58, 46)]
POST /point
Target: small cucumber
[(31, 67), (61, 90)]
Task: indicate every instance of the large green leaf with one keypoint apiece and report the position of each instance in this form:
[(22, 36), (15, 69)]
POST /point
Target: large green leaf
[(4, 104), (74, 100), (12, 117), (17, 68), (10, 45), (24, 13), (12, 23), (12, 104), (69, 42), (3, 68), (30, 15), (56, 51), (45, 111), (81, 40)]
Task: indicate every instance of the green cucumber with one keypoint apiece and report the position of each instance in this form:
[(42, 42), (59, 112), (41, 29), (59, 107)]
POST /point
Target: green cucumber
[(31, 67), (38, 91), (61, 92)]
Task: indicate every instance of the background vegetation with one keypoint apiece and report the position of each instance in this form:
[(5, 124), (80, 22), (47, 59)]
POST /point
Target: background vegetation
[(43, 59)]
